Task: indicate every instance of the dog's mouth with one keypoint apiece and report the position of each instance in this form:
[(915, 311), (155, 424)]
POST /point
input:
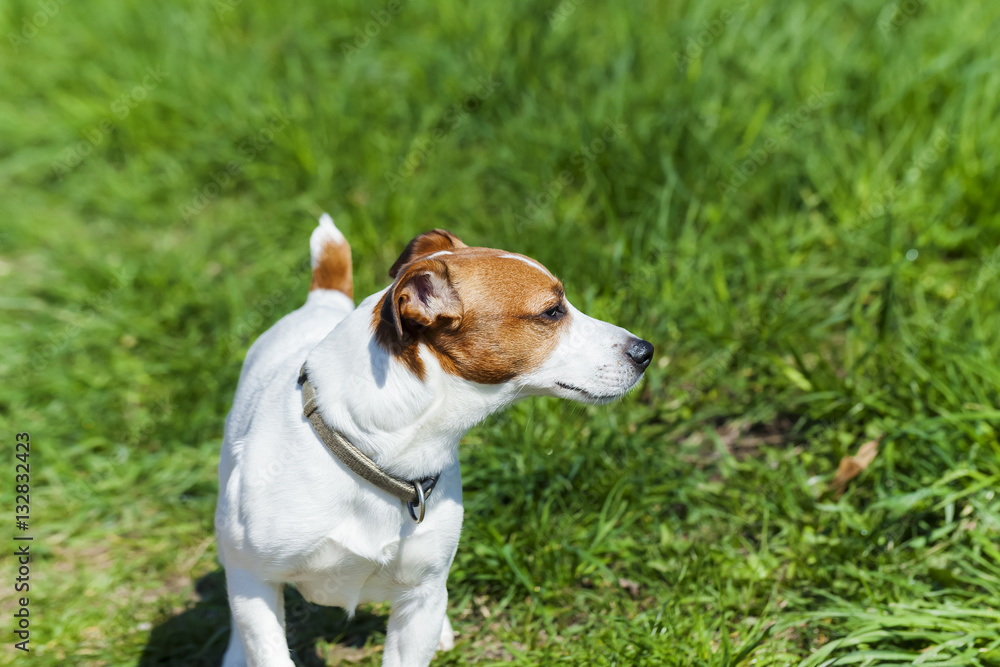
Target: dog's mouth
[(590, 397)]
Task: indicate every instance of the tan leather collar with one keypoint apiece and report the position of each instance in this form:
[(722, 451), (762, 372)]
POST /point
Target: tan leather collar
[(414, 493)]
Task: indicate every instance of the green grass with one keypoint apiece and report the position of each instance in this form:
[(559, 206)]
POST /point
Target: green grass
[(798, 210)]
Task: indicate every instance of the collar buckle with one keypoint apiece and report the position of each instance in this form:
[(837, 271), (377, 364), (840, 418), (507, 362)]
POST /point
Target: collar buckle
[(423, 489)]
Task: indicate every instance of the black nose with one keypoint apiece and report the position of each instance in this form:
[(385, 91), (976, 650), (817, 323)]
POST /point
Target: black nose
[(640, 352)]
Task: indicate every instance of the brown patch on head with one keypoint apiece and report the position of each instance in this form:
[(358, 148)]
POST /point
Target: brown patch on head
[(427, 243), (486, 315), (334, 269)]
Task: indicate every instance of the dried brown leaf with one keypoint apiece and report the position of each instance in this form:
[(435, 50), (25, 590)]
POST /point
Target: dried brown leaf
[(629, 586), (852, 466)]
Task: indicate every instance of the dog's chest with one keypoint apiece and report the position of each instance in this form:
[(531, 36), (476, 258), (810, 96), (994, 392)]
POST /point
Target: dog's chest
[(333, 575)]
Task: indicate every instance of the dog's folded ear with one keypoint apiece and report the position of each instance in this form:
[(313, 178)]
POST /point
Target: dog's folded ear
[(421, 298), (427, 243)]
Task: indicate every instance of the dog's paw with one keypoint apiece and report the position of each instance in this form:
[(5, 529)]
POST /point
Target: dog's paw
[(447, 637)]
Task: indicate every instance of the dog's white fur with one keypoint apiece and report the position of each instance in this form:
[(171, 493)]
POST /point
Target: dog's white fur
[(290, 511)]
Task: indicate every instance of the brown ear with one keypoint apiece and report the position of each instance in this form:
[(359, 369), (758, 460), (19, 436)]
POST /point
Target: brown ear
[(426, 244), (421, 298)]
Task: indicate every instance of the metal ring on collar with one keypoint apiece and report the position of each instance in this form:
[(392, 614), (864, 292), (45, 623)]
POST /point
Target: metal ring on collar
[(420, 501)]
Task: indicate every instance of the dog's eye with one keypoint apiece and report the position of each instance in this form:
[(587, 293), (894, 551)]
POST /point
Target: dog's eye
[(554, 313)]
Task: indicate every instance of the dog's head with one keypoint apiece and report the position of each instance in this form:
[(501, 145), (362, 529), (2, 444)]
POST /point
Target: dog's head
[(492, 317)]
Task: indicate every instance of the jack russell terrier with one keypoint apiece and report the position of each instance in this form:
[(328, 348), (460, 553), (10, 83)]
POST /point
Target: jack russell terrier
[(346, 419)]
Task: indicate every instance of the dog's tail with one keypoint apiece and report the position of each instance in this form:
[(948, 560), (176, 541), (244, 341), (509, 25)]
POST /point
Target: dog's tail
[(331, 258)]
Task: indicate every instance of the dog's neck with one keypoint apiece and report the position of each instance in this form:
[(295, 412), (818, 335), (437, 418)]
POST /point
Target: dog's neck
[(410, 427)]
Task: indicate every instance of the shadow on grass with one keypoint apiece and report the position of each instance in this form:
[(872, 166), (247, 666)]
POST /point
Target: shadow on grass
[(198, 636)]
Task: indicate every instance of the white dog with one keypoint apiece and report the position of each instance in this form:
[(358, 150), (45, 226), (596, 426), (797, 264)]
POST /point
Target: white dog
[(346, 419)]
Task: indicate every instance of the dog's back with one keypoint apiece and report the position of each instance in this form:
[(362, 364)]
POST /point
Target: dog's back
[(269, 375)]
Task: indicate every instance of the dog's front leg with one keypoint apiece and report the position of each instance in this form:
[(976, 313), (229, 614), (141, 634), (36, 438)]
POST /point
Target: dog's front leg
[(259, 617), (415, 624)]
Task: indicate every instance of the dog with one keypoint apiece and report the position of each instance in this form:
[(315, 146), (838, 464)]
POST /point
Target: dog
[(339, 467)]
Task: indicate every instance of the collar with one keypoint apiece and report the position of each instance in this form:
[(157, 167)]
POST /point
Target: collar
[(414, 493)]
